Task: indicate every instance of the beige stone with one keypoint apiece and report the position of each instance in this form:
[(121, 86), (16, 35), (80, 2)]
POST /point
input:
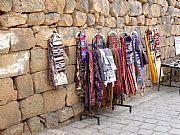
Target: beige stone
[(124, 7), (166, 29), (78, 108), (51, 18), (127, 20), (96, 17), (175, 29), (61, 5), (141, 19), (79, 18), (24, 85), (40, 81), (35, 124), (26, 130), (28, 5), (82, 5), (35, 18), (155, 10), (65, 113), (12, 19), (54, 99), (162, 53), (110, 21), (177, 21), (7, 118), (51, 5), (154, 21), (71, 97), (172, 52), (65, 20), (115, 8), (70, 5), (5, 5), (101, 20), (120, 22), (146, 10), (171, 2), (31, 106), (14, 130), (95, 6), (136, 8), (177, 4), (40, 36), (39, 60), (7, 92), (133, 21), (90, 19), (148, 21), (70, 69), (71, 54), (89, 32), (143, 1), (105, 8), (14, 64), (5, 37), (69, 35), (22, 39)]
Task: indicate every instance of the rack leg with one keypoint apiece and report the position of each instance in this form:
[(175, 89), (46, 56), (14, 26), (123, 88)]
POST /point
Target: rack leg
[(159, 79), (90, 115), (170, 77)]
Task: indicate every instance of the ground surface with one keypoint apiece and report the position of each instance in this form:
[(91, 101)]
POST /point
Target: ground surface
[(157, 113)]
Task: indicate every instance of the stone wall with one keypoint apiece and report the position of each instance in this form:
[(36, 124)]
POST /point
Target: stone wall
[(27, 102)]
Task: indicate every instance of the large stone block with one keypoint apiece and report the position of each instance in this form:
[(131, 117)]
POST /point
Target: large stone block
[(141, 19), (71, 97), (82, 5), (110, 22), (65, 113), (40, 36), (14, 130), (71, 53), (39, 60), (65, 20), (9, 115), (136, 8), (22, 39), (24, 85), (175, 30), (79, 18), (105, 8), (5, 37), (35, 124), (12, 19), (35, 18), (70, 69), (90, 19), (120, 22), (70, 5), (115, 8), (14, 64), (31, 106), (28, 5), (51, 18), (40, 81), (95, 6), (54, 99), (124, 7), (69, 35), (7, 92), (5, 5), (155, 10), (51, 6), (61, 5), (78, 108)]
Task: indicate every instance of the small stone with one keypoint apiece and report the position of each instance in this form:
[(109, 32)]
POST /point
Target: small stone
[(141, 19), (12, 19), (5, 5), (31, 106), (65, 113), (70, 69), (101, 20), (14, 130), (51, 5), (90, 19), (61, 5), (114, 8), (127, 20), (171, 2), (5, 37), (35, 124), (24, 85), (51, 18), (120, 22), (54, 99), (65, 20), (155, 10), (70, 5), (95, 6), (82, 5), (7, 118), (133, 21), (136, 8), (154, 21), (124, 7), (79, 18), (35, 18), (105, 8), (110, 21), (78, 108)]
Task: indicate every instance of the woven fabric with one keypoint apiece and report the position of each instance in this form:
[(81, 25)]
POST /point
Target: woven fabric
[(113, 41)]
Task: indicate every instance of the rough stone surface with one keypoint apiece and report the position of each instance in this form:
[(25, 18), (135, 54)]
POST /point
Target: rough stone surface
[(54, 99), (40, 81), (51, 18), (136, 9), (155, 10), (65, 113), (5, 37), (90, 19), (78, 108), (51, 6), (35, 18), (79, 18), (124, 8), (120, 22), (71, 54), (105, 8), (12, 19), (114, 8), (70, 5), (14, 130), (61, 5), (70, 69), (24, 85), (65, 20), (26, 130), (22, 39), (5, 5), (31, 106), (14, 64), (39, 60), (110, 21), (7, 118), (95, 6), (82, 5), (35, 124)]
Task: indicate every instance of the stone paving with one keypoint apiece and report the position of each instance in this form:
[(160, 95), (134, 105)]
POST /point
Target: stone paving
[(156, 113)]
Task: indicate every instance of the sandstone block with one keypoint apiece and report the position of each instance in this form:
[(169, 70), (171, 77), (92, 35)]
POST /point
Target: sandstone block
[(124, 7), (26, 130), (5, 37), (54, 99), (154, 21), (127, 20), (28, 5), (69, 35), (171, 2), (35, 18), (162, 53), (7, 92), (40, 81), (71, 97), (79, 18), (155, 10), (148, 21), (12, 19), (70, 69), (166, 29), (141, 19), (31, 106), (175, 29), (14, 64), (71, 53), (143, 1), (82, 5), (40, 36), (136, 8), (22, 39), (133, 21), (51, 18), (110, 21), (90, 19), (70, 5), (61, 5), (95, 6), (167, 52), (65, 113), (177, 4), (177, 21), (101, 20), (35, 124), (120, 22), (146, 10), (172, 52), (65, 20), (7, 118), (78, 108), (14, 130), (5, 5), (105, 8), (114, 8), (50, 119), (89, 32), (51, 6), (24, 85), (39, 60)]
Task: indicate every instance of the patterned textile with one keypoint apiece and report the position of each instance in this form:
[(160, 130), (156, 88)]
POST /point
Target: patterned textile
[(113, 41), (98, 42), (57, 75), (157, 44)]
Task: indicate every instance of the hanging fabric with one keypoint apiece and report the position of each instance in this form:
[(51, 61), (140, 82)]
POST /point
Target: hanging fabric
[(98, 41), (113, 41), (57, 75)]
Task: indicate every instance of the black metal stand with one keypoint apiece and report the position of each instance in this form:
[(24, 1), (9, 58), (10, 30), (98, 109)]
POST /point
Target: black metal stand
[(90, 115)]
